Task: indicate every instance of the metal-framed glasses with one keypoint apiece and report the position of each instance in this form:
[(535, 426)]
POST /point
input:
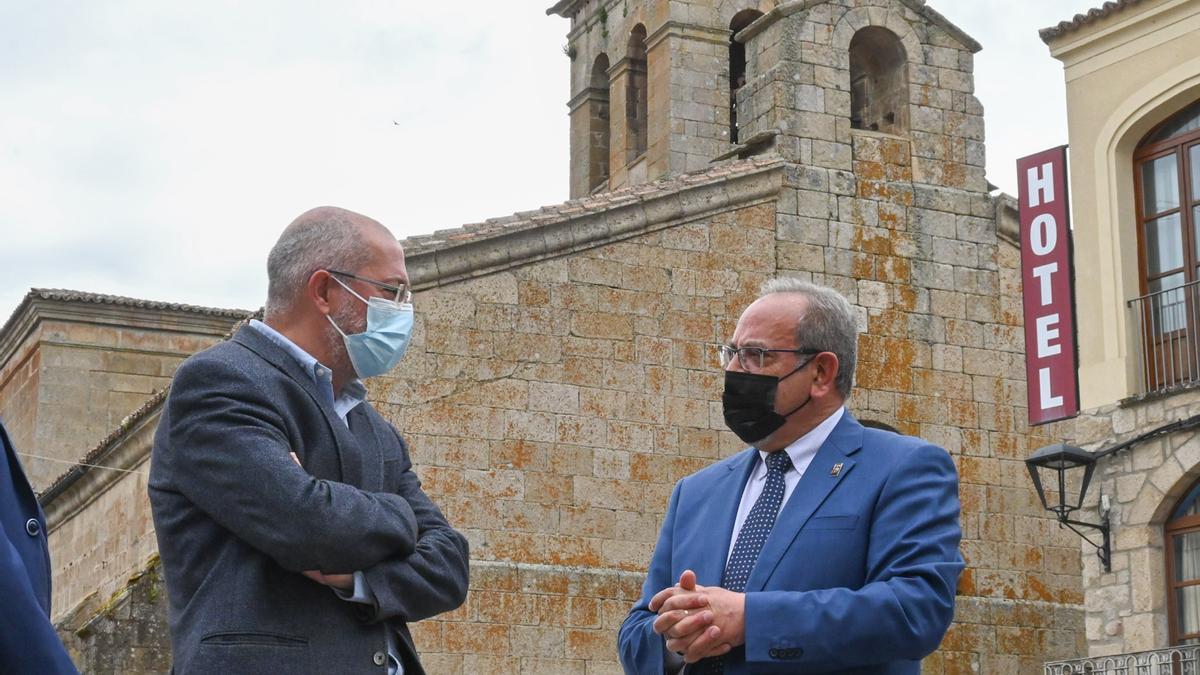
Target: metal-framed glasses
[(402, 293), (754, 358)]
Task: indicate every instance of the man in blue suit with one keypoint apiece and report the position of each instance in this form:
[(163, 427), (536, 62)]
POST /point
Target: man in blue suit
[(825, 547), (28, 643)]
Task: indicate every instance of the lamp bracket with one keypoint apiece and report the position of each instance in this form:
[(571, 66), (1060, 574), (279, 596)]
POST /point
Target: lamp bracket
[(1103, 549)]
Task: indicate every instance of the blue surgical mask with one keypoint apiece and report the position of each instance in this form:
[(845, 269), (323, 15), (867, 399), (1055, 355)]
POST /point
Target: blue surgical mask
[(380, 347)]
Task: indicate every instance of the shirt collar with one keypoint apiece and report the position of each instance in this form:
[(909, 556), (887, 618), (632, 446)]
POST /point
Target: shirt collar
[(804, 449), (353, 392)]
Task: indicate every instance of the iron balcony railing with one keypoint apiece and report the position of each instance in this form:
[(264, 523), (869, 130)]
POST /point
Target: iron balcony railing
[(1172, 661), (1168, 323)]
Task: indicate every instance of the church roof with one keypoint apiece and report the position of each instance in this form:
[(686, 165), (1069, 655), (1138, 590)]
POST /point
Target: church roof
[(1081, 20), (479, 249), (597, 203)]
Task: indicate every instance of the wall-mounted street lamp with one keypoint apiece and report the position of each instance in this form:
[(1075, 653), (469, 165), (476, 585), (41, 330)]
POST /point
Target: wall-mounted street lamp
[(1058, 463)]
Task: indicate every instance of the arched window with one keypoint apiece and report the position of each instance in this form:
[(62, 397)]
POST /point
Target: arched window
[(1167, 176), (737, 65), (636, 108), (878, 81), (1182, 535), (599, 127)]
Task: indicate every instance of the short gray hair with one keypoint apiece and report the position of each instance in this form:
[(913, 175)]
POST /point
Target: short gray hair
[(323, 238), (828, 325)]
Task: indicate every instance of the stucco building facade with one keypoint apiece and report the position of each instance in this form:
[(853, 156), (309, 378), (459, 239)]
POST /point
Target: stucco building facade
[(1133, 104)]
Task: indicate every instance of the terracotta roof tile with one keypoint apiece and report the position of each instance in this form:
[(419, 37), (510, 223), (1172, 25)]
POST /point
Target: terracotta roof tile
[(1081, 20), (575, 207)]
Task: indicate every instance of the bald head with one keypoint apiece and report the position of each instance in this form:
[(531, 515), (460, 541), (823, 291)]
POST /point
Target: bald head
[(326, 237)]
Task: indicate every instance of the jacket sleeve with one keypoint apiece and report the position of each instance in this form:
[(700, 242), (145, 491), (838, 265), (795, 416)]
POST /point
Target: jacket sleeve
[(28, 643), (641, 650), (228, 454), (907, 603), (433, 577)]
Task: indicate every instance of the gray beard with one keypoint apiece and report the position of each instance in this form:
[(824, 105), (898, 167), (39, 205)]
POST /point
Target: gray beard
[(351, 324)]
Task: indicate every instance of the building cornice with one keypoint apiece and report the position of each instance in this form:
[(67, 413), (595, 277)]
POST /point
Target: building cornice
[(459, 254), (689, 31), (565, 8), (1099, 41), (1093, 15), (49, 304), (930, 14)]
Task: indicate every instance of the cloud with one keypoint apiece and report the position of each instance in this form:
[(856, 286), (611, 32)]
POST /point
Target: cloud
[(157, 149)]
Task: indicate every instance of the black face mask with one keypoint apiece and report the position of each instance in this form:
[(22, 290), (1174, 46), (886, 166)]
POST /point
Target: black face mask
[(749, 403)]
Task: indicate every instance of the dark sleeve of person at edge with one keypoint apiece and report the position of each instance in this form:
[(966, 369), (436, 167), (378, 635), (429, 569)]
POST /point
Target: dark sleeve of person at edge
[(28, 643)]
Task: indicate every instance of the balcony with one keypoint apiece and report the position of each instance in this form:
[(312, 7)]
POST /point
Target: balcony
[(1183, 660), (1168, 337)]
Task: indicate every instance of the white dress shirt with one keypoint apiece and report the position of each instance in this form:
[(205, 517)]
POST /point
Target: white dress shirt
[(802, 451)]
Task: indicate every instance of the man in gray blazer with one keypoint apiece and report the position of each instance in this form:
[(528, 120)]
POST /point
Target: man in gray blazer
[(294, 535)]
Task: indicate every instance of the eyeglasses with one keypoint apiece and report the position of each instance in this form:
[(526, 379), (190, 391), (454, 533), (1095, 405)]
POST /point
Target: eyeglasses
[(403, 292), (754, 358)]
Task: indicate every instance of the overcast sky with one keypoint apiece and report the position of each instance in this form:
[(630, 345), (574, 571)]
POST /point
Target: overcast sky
[(156, 149)]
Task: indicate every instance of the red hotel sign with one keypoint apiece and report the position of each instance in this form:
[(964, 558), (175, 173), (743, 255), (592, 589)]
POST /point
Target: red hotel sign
[(1046, 282)]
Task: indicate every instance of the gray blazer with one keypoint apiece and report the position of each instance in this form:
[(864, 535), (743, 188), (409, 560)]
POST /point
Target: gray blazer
[(237, 522)]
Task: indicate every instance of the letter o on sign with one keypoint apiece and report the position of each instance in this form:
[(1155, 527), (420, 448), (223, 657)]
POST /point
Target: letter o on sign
[(1043, 234)]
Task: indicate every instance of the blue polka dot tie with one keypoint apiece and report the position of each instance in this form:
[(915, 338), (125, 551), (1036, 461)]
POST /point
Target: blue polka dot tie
[(751, 538)]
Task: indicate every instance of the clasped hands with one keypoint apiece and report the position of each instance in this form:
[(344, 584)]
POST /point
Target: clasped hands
[(699, 621)]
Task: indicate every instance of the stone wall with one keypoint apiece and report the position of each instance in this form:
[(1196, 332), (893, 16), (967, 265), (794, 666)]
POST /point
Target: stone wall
[(551, 408), (101, 531), (562, 376), (73, 365), (123, 633), (1127, 607)]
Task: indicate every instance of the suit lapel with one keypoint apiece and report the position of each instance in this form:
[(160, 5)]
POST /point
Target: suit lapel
[(348, 462), (715, 519), (369, 443), (818, 482)]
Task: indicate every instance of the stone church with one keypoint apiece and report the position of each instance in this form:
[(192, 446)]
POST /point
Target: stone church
[(564, 374)]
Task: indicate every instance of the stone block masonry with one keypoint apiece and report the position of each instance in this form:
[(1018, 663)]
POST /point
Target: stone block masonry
[(563, 374)]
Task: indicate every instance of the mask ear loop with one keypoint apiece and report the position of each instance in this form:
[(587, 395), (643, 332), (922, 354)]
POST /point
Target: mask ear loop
[(352, 292), (794, 371)]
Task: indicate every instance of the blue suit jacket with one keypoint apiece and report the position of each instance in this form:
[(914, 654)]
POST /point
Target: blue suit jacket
[(28, 643), (857, 576)]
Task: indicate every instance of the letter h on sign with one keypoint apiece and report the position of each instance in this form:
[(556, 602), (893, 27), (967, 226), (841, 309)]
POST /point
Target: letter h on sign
[(1047, 292)]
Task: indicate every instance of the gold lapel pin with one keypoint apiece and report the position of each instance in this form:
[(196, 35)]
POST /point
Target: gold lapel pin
[(837, 469)]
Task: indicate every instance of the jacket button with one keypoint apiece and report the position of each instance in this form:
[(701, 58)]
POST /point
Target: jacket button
[(32, 527), (380, 658)]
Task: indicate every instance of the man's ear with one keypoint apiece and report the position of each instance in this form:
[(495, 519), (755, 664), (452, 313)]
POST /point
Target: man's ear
[(825, 379), (317, 291)]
